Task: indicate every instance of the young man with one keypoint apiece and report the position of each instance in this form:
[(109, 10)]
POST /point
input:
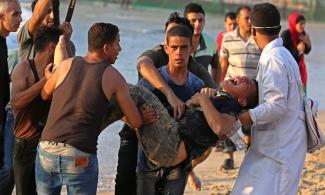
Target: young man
[(10, 18), (230, 24), (42, 16), (30, 111), (204, 49), (274, 162), (184, 84), (147, 65), (80, 99)]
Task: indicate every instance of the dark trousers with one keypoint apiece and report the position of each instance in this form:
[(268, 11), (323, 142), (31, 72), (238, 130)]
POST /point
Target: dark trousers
[(125, 181), (165, 181), (24, 166)]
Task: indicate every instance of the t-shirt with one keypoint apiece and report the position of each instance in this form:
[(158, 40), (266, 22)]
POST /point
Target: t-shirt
[(184, 92), (205, 53), (242, 55), (4, 78), (160, 58)]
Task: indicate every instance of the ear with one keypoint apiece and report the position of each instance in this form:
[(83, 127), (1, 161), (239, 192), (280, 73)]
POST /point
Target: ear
[(166, 48), (242, 102), (51, 47), (106, 47)]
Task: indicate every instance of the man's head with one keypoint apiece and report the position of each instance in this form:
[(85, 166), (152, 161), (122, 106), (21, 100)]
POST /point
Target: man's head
[(174, 20), (242, 18), (46, 39), (49, 18), (178, 46), (196, 15), (10, 16), (265, 19), (243, 89), (230, 21), (104, 39)]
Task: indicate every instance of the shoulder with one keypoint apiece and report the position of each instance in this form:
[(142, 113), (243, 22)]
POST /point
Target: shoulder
[(194, 80), (230, 36), (23, 32), (21, 69), (151, 53)]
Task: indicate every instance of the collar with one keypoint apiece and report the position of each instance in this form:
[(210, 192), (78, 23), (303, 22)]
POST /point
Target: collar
[(221, 93), (250, 40), (202, 44), (275, 43)]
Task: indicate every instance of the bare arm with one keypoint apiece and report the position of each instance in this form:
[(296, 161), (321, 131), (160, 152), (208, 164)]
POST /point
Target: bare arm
[(22, 93), (67, 32), (41, 10), (114, 84), (147, 69), (223, 67), (218, 122)]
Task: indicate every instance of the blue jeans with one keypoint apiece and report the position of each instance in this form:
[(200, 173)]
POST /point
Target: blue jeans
[(53, 171), (6, 171)]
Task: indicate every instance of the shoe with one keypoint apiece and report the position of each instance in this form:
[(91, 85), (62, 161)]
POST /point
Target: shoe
[(228, 164)]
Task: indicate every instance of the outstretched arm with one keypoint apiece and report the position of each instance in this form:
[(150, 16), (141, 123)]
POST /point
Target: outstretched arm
[(42, 8)]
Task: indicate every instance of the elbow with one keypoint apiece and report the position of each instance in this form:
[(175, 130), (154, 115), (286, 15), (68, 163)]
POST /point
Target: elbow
[(14, 104), (44, 95), (137, 124)]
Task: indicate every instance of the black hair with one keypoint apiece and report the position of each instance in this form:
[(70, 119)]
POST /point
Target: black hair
[(300, 18), (55, 3), (174, 18), (193, 7), (100, 34), (266, 15), (45, 35), (242, 8), (252, 99), (230, 15), (181, 31)]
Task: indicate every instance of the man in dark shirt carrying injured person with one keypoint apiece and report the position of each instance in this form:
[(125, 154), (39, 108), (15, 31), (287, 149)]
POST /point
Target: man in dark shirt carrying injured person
[(168, 142)]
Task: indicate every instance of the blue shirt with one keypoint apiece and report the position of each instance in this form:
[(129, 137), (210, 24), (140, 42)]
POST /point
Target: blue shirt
[(183, 92)]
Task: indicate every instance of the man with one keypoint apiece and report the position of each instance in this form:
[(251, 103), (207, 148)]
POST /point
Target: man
[(10, 18), (229, 24), (42, 16), (274, 162), (239, 56), (148, 64), (75, 117), (204, 49), (152, 179), (30, 112)]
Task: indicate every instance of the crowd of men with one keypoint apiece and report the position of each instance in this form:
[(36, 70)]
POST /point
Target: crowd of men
[(52, 116)]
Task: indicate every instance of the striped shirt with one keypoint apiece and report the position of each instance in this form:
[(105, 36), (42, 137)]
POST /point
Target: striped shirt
[(242, 56)]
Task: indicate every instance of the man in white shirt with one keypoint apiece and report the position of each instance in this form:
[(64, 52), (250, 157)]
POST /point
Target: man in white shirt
[(274, 161)]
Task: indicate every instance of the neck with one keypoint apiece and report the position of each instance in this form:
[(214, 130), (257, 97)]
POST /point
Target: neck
[(4, 33), (94, 57), (196, 41), (177, 74), (41, 61), (244, 34), (263, 40)]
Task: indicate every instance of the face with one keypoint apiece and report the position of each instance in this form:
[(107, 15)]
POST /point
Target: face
[(240, 88), (12, 18), (197, 20), (114, 49), (49, 18), (230, 25), (300, 26), (243, 20), (178, 50)]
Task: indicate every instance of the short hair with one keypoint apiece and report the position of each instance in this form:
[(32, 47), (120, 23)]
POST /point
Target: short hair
[(4, 5), (230, 15), (100, 34), (180, 31), (265, 15), (193, 7), (174, 18), (242, 8), (252, 99), (45, 35)]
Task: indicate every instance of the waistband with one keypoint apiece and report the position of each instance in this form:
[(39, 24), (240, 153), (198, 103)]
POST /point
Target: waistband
[(61, 149)]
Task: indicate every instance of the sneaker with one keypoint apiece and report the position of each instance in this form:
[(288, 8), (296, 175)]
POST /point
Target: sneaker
[(228, 164)]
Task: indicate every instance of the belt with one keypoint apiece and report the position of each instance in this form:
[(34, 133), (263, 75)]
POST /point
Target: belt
[(53, 143)]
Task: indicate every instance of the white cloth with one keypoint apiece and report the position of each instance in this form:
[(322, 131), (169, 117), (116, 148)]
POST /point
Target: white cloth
[(274, 162)]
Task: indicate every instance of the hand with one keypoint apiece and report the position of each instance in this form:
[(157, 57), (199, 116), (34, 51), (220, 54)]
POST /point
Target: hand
[(177, 105), (305, 39), (67, 30), (148, 114), (48, 73), (209, 91), (195, 100), (301, 47)]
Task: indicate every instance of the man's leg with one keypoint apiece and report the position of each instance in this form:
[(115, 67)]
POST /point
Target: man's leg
[(126, 182), (229, 148), (147, 182), (6, 171), (24, 166)]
